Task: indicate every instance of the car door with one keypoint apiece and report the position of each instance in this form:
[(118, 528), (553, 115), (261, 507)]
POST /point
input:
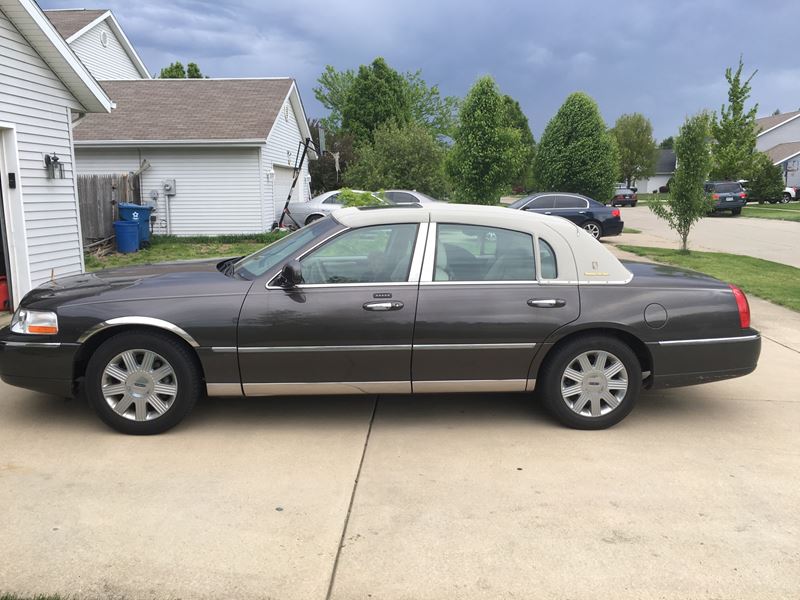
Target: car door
[(542, 204), (484, 309), (347, 328), (572, 208)]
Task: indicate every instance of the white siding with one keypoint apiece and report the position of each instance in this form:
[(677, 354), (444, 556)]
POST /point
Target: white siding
[(651, 184), (218, 189), (788, 132), (109, 62), (37, 103), (282, 147)]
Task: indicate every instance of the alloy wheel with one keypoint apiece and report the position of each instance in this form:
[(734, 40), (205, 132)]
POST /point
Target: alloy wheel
[(593, 229), (594, 383), (139, 385)]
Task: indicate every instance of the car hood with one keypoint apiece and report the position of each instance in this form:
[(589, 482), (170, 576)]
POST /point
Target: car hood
[(164, 280), (655, 275)]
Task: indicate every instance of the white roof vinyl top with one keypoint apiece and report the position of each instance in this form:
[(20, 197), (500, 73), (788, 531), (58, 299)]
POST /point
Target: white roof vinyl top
[(594, 263)]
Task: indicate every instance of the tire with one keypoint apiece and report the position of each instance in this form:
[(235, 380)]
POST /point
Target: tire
[(313, 218), (634, 204), (786, 198), (736, 212), (148, 410), (593, 228), (597, 412)]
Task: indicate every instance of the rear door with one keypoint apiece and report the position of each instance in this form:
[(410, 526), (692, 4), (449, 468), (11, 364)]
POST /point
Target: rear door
[(483, 309), (570, 207)]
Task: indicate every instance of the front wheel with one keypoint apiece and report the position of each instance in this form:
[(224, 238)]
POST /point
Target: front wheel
[(591, 382), (142, 383), (593, 229), (786, 198)]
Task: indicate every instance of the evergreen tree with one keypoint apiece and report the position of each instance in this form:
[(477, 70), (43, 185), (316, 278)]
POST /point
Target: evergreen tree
[(518, 120)]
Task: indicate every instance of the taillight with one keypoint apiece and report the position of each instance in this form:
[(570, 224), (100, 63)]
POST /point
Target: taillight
[(615, 212), (742, 305), (715, 196), (742, 195)]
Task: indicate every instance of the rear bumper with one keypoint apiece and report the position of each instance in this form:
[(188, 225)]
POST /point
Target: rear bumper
[(614, 227), (723, 205), (689, 362), (39, 366)]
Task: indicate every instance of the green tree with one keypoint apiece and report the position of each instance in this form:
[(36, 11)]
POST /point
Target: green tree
[(193, 71), (378, 95), (517, 120), (667, 143), (637, 148), (176, 70), (577, 153), (339, 150), (487, 153), (734, 129), (765, 180), (332, 91), (400, 156), (687, 202)]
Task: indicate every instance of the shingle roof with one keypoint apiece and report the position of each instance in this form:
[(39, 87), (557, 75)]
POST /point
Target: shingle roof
[(68, 22), (186, 110), (665, 162), (765, 123), (781, 152)]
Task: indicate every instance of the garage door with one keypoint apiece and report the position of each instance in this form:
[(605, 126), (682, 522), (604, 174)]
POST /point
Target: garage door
[(280, 186)]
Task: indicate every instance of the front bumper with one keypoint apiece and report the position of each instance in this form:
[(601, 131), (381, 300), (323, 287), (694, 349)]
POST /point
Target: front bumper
[(40, 366), (689, 362)]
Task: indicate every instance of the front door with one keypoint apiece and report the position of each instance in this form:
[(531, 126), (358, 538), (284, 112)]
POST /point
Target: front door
[(482, 311), (347, 328)]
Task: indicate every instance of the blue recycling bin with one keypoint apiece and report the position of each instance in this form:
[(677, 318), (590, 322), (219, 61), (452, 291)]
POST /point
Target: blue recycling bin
[(141, 215), (127, 233)]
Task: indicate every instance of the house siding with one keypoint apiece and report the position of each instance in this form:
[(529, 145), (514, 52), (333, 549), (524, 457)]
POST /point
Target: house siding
[(218, 190), (110, 62), (282, 147), (37, 103), (788, 132)]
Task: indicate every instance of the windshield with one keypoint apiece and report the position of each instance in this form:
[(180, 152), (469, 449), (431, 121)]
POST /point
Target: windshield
[(520, 203), (279, 252)]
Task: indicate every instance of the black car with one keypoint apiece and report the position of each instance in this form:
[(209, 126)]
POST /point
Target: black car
[(624, 197), (384, 301), (596, 218), (726, 196)]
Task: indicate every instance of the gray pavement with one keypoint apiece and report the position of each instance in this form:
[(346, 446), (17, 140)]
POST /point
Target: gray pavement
[(769, 239)]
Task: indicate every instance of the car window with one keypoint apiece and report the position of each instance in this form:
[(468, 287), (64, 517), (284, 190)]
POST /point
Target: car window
[(378, 254), (542, 202), (727, 188), (547, 260), (570, 202), (477, 253), (401, 198), (334, 199)]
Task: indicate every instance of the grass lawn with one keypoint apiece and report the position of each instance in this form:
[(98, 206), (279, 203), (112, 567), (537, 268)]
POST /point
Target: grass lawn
[(781, 212), (763, 278), (631, 230), (646, 198), (169, 248)]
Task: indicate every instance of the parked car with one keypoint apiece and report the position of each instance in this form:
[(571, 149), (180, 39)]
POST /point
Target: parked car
[(381, 301), (318, 207), (726, 196), (408, 197), (789, 193), (596, 218), (624, 197)]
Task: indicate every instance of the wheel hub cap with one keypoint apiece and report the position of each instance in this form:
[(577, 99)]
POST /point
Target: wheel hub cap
[(594, 383), (139, 385)]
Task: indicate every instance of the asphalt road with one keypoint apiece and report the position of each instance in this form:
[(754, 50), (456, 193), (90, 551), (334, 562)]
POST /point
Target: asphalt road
[(694, 495), (769, 239)]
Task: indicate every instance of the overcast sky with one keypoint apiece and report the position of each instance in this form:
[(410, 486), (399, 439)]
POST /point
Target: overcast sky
[(663, 58)]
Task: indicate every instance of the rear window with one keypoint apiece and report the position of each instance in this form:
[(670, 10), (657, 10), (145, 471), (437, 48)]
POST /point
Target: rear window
[(726, 188)]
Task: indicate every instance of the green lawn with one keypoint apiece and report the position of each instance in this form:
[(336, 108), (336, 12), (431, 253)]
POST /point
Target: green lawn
[(631, 230), (781, 212), (168, 248), (646, 198), (763, 278)]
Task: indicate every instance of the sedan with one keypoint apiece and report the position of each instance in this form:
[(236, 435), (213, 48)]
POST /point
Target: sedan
[(596, 218), (624, 197), (408, 197), (303, 213), (384, 301)]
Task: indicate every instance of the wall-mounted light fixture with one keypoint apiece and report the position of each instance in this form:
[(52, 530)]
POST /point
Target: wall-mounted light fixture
[(54, 166)]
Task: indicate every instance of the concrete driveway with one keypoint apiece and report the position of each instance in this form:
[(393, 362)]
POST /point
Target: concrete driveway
[(769, 239), (694, 495)]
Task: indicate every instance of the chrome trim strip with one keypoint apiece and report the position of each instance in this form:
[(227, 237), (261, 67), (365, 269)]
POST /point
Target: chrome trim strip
[(419, 252), (429, 261), (223, 349), (530, 385), (355, 348), (525, 345), (32, 344), (380, 284), (224, 389), (698, 341), (148, 321), (492, 282), (327, 388), (470, 385)]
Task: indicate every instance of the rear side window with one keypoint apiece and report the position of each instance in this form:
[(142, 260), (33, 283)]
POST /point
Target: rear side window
[(570, 202), (477, 253), (547, 260)]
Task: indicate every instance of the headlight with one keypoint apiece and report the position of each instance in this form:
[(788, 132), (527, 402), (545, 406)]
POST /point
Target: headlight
[(35, 322)]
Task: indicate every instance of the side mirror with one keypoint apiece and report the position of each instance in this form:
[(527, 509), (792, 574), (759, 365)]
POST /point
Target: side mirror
[(292, 274)]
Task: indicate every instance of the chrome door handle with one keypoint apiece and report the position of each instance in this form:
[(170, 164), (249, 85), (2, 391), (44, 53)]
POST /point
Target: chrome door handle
[(548, 213), (380, 306), (547, 302)]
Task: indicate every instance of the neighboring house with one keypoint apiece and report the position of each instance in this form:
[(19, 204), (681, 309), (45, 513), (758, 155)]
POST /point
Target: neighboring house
[(779, 137), (98, 40), (43, 86), (665, 169), (227, 145)]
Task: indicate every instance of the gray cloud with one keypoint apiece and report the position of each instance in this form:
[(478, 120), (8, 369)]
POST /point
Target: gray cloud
[(664, 59)]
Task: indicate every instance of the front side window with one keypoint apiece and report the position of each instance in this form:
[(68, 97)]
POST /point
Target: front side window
[(334, 199), (379, 254), (477, 253), (542, 202)]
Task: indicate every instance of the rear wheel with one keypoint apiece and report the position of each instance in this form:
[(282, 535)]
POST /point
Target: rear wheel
[(736, 211), (593, 228), (591, 382), (313, 218), (142, 383), (787, 197)]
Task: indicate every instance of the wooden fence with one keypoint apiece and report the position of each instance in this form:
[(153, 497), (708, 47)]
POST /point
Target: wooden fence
[(98, 196)]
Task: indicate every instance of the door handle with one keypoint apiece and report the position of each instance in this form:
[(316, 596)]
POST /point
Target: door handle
[(381, 306), (546, 302), (548, 213)]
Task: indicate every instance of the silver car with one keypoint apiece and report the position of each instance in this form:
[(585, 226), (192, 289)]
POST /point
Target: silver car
[(409, 197), (316, 208)]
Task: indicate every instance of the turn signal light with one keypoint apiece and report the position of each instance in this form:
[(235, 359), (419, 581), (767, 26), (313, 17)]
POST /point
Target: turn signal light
[(742, 305), (34, 322)]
